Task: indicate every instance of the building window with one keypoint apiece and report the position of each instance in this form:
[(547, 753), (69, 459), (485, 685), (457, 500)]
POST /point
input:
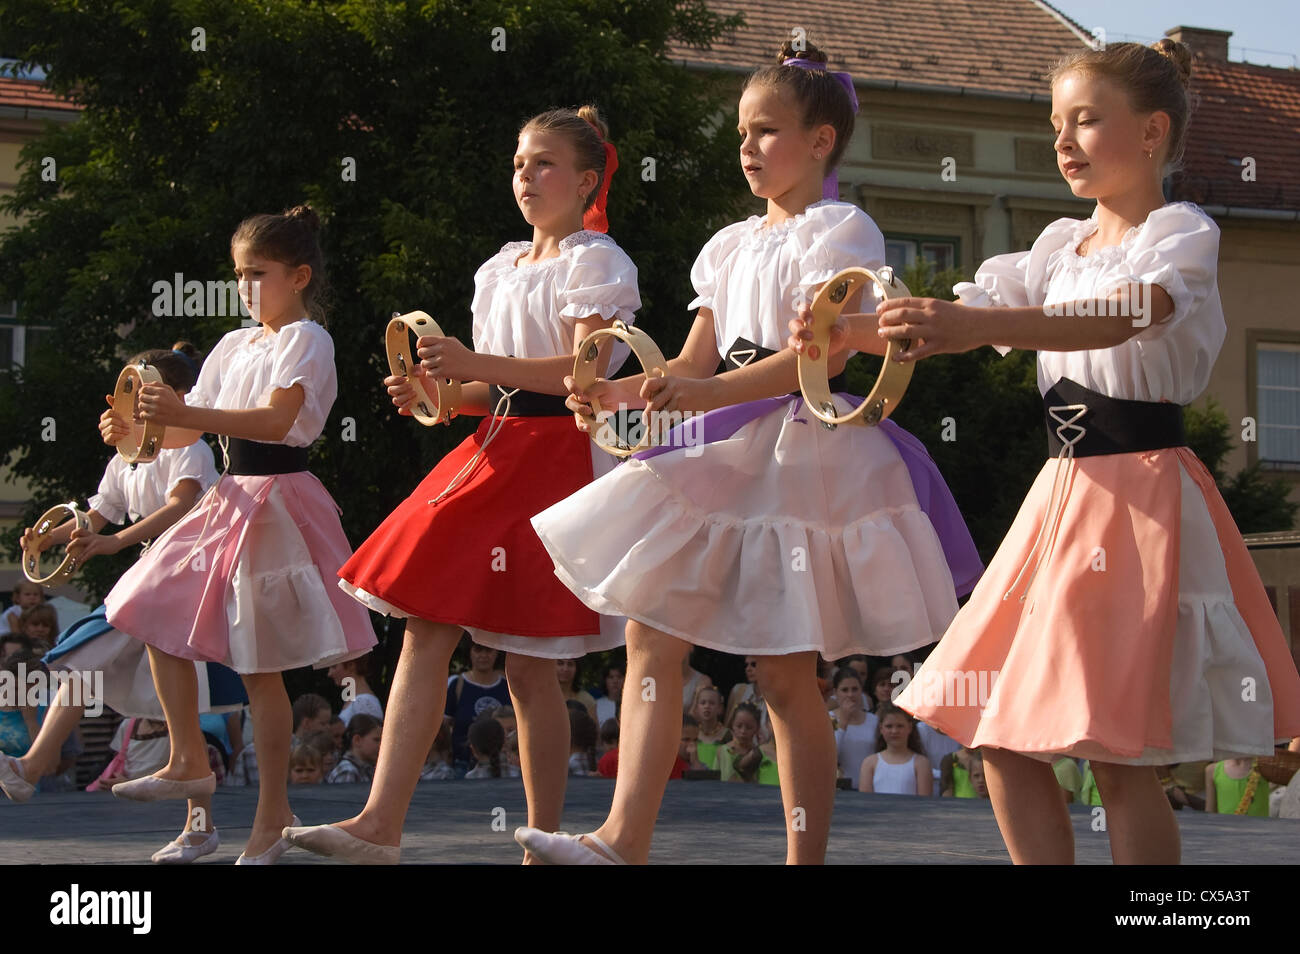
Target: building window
[(903, 250), (1277, 398)]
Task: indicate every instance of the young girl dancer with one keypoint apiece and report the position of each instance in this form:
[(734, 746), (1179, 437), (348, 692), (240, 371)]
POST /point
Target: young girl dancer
[(153, 496), (251, 564), (719, 545), (1122, 615), (460, 552)]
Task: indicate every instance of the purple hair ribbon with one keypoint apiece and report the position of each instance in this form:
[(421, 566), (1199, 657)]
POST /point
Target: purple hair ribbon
[(831, 184)]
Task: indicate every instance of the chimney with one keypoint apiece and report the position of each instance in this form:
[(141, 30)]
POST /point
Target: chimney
[(1212, 44)]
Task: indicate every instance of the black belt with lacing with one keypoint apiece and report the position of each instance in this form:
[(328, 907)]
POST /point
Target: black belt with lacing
[(743, 352), (1091, 424)]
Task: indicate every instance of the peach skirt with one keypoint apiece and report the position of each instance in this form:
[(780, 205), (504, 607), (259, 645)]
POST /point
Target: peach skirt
[(1135, 630)]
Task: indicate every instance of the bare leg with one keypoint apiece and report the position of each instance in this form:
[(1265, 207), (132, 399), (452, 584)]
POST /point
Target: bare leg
[(272, 730), (1139, 818), (1031, 814), (177, 686), (415, 707), (805, 752), (543, 722), (649, 734), (60, 722)]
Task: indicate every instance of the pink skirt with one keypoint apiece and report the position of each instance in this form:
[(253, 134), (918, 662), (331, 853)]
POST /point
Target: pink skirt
[(251, 569), (1136, 630)]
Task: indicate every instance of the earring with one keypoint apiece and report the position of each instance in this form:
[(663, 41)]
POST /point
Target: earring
[(1148, 153)]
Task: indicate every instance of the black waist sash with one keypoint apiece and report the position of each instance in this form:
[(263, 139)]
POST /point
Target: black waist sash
[(257, 459), (1093, 424), (743, 351), (532, 403)]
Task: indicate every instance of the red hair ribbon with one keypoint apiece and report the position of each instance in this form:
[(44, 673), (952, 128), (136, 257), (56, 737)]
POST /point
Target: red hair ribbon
[(594, 218)]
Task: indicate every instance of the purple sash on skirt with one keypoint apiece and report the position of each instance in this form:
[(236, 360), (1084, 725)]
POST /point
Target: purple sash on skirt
[(932, 491)]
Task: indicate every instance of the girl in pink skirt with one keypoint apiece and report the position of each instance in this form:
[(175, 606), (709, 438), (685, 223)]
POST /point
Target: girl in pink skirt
[(1122, 619), (253, 564)]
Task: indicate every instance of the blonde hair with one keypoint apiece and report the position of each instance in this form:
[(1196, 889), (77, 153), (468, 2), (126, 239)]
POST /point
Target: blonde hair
[(586, 130), (1155, 78)]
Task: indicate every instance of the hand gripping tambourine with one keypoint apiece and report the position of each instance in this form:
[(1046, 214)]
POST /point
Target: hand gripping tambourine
[(44, 527), (584, 373), (145, 438), (894, 376), (429, 408)]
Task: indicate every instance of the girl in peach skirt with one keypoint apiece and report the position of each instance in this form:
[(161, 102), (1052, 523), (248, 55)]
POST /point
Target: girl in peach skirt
[(1122, 619)]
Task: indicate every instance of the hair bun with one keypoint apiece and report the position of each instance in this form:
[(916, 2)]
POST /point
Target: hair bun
[(809, 52), (187, 349), (592, 115), (306, 213), (1178, 54)]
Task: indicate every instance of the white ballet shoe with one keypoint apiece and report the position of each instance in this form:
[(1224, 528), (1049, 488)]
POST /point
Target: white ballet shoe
[(271, 855), (154, 789), (561, 848), (332, 842), (187, 850), (12, 782)]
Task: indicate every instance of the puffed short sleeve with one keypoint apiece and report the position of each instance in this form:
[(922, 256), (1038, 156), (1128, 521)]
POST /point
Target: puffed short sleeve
[(708, 264), (192, 462), (1016, 279), (205, 390), (601, 280), (110, 501), (304, 354), (833, 237), (1178, 249)]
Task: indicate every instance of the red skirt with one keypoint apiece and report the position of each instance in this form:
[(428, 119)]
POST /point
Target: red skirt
[(473, 559)]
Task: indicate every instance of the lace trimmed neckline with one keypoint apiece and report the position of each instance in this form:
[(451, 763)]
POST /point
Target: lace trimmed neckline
[(1110, 254), (760, 233), (581, 237)]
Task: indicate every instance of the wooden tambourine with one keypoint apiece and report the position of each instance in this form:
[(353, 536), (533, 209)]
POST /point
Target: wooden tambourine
[(431, 408), (584, 373), (894, 376), (145, 439), (44, 527)]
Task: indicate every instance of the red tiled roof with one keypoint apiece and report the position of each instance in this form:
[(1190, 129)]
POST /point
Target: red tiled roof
[(1242, 110), (30, 94), (1003, 46)]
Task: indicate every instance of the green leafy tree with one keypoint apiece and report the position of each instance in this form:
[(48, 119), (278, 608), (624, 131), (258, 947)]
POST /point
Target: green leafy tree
[(1258, 503)]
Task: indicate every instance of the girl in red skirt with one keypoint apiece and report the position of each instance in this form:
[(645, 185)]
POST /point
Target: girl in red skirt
[(460, 552)]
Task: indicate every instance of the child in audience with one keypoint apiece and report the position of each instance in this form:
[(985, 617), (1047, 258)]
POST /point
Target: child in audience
[(306, 767), (486, 739), (25, 595), (582, 743), (744, 759), (361, 751), (899, 765), (855, 727), (438, 766)]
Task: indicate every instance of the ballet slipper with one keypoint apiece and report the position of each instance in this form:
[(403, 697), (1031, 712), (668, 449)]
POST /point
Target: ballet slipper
[(186, 851), (12, 782), (334, 842), (271, 855), (561, 848), (150, 788)]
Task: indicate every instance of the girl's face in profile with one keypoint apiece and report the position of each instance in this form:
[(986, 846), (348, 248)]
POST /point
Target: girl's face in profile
[(1100, 145), (366, 747), (547, 184), (776, 151), (267, 287)]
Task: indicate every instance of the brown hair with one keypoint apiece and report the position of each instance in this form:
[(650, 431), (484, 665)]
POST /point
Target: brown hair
[(291, 239), (586, 131), (306, 706), (307, 756), (1155, 78), (41, 613), (820, 97), (179, 365)]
